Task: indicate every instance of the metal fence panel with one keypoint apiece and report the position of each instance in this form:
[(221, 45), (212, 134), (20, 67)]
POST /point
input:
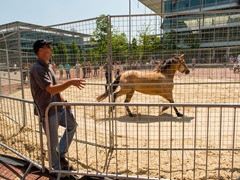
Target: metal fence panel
[(21, 131), (201, 145)]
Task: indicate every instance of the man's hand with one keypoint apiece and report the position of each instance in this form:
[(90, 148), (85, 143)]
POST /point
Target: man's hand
[(79, 83)]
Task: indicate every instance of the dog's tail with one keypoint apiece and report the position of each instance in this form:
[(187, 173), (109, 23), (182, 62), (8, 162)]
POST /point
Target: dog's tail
[(109, 91)]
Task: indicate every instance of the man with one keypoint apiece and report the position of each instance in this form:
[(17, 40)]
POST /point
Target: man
[(67, 69), (45, 90), (108, 75), (25, 70), (61, 70), (84, 69), (194, 61), (77, 67)]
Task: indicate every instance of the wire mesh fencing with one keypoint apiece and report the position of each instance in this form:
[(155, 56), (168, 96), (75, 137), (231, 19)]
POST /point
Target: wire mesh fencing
[(196, 146)]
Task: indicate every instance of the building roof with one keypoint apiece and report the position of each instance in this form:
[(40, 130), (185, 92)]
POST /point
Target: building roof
[(17, 25), (155, 5)]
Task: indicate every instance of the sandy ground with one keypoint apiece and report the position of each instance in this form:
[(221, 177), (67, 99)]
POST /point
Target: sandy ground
[(198, 146)]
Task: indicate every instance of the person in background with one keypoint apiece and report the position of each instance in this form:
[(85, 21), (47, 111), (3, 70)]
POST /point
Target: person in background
[(15, 68), (95, 69), (84, 69), (67, 69), (108, 74), (45, 90), (77, 67), (88, 69), (194, 61), (25, 72)]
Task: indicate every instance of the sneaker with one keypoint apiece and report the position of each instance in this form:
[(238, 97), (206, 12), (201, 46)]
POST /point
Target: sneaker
[(65, 164), (63, 161)]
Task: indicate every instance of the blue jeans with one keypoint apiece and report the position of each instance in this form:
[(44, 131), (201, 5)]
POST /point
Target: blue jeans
[(60, 148)]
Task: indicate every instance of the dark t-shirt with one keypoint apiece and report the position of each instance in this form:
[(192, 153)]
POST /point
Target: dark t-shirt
[(41, 76)]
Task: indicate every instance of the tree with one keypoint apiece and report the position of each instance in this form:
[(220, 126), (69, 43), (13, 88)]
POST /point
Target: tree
[(74, 53), (81, 54), (119, 45), (101, 34), (62, 52), (149, 43), (192, 41), (170, 40), (134, 49), (55, 54)]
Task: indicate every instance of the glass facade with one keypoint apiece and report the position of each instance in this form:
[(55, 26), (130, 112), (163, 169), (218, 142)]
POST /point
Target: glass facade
[(189, 5), (28, 34), (216, 29)]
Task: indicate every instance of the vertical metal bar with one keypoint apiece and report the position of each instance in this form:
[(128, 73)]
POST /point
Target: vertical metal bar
[(21, 136), (148, 151), (130, 26), (20, 60), (66, 128), (137, 141), (208, 122), (159, 145), (171, 134), (195, 144), (8, 65), (116, 142), (109, 55), (48, 140), (220, 142), (126, 126), (28, 69), (112, 130), (21, 70), (108, 151), (32, 124), (106, 142), (183, 127), (109, 129), (86, 136), (1, 83), (233, 142), (76, 135), (28, 138), (41, 142), (10, 113), (6, 111), (96, 141)]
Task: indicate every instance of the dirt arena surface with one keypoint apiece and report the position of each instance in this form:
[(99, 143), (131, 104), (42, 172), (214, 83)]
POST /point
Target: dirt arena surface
[(192, 135)]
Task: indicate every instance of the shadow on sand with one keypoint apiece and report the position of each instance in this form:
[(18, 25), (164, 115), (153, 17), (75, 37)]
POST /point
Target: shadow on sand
[(150, 118)]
